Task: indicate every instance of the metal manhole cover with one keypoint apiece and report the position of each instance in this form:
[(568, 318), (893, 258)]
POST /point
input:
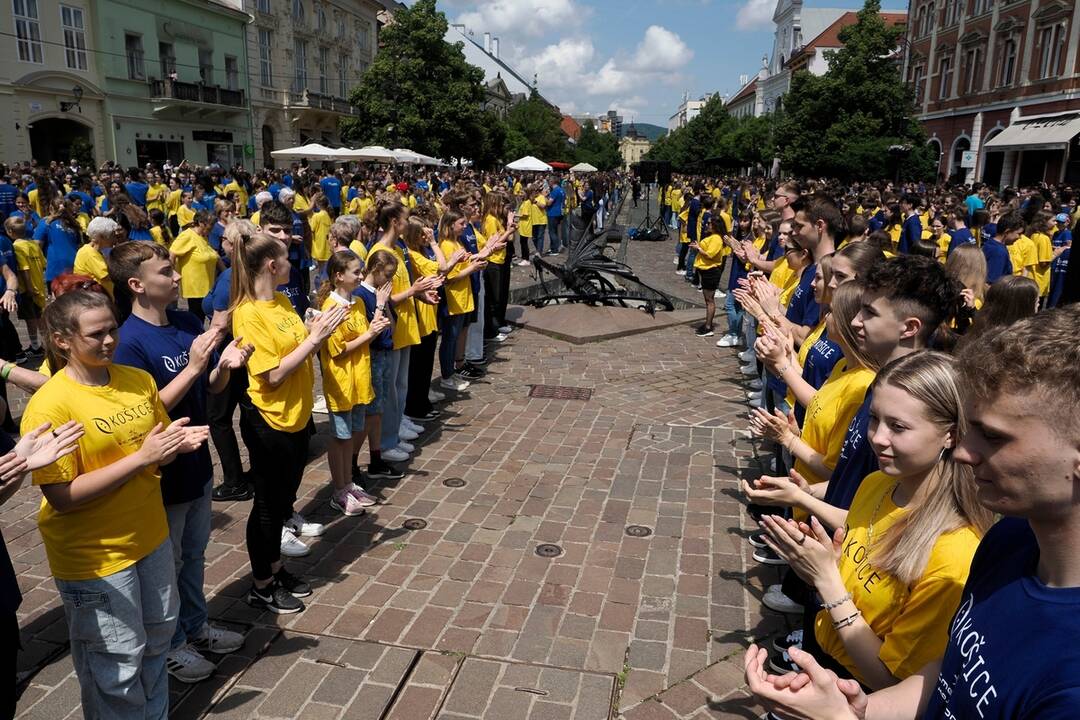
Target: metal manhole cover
[(638, 531), (560, 392), (453, 482), (548, 550), (414, 524)]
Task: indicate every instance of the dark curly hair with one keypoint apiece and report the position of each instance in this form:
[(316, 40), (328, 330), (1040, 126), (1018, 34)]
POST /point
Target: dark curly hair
[(919, 287)]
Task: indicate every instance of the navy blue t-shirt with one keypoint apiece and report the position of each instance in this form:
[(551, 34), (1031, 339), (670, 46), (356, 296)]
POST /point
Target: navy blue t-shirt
[(910, 234), (998, 263), (59, 243), (137, 192), (960, 236), (218, 298), (821, 358), (385, 340), (8, 193), (295, 292), (856, 461), (7, 257), (1012, 653), (163, 352)]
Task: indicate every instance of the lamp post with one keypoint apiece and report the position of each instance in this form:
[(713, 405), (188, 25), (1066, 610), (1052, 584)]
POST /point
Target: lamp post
[(77, 91)]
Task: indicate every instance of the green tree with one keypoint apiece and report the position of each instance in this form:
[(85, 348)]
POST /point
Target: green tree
[(534, 128), (689, 147), (598, 149), (420, 92), (842, 123)]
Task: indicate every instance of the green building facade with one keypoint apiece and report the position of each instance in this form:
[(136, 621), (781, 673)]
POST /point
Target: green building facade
[(175, 78)]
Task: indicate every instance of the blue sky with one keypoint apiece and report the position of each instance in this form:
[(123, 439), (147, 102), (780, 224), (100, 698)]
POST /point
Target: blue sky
[(636, 56)]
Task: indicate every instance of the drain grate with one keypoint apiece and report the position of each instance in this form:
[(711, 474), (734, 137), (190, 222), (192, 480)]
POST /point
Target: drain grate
[(453, 482), (560, 392), (638, 531), (414, 524), (548, 550)]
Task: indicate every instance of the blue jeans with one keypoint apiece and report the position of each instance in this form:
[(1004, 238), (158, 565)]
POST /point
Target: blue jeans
[(691, 256), (397, 385), (451, 329), (474, 340), (120, 627), (734, 315), (539, 233), (554, 226), (189, 532)]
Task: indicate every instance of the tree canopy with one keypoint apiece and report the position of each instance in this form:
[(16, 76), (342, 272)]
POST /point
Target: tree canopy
[(600, 150)]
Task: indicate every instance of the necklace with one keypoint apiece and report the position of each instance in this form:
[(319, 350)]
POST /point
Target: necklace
[(873, 517)]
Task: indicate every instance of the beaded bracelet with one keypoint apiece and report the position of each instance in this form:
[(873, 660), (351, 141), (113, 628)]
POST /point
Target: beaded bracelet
[(838, 603), (7, 370), (849, 620)]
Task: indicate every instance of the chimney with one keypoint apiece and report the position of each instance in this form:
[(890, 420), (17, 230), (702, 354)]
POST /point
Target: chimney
[(495, 47), (487, 42)]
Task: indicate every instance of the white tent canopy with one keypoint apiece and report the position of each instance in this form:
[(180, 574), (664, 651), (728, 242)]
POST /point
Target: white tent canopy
[(529, 164), (583, 167), (375, 153), (311, 151)]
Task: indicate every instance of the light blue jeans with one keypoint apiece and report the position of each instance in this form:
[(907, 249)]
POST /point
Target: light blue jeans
[(189, 532), (397, 382), (120, 627), (474, 338)]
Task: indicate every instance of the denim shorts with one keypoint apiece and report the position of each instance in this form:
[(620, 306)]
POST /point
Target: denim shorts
[(380, 383), (344, 424)]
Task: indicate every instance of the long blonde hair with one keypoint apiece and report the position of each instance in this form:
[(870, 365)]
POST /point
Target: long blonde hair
[(945, 501), (844, 305), (967, 264), (248, 259)]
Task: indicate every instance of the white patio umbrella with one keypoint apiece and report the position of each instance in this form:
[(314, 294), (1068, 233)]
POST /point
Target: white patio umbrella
[(375, 153), (583, 167), (529, 164), (311, 151)]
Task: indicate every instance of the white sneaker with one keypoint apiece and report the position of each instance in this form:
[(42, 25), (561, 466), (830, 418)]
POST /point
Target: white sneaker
[(454, 383), (395, 455), (406, 446), (675, 261), (501, 337), (217, 640), (506, 329), (435, 396), (300, 526), (319, 407), (754, 395), (748, 355), (523, 262), (728, 340), (721, 294), (187, 665), (412, 424), (406, 433), (779, 602), (749, 369), (291, 545), (680, 273), (755, 384)]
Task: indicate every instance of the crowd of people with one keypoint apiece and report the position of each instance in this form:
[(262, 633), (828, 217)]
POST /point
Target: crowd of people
[(914, 383), (158, 300)]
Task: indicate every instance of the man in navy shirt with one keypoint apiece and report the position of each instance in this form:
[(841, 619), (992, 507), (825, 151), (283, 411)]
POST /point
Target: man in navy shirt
[(1006, 232), (911, 232), (556, 204), (958, 230), (331, 187)]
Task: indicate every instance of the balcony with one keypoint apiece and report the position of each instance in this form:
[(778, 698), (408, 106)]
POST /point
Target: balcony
[(317, 101), (187, 98)]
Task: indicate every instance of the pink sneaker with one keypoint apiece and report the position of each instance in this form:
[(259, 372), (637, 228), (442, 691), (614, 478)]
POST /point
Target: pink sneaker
[(344, 501), (362, 496)]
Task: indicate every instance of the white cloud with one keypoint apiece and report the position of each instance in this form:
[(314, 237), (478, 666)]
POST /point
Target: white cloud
[(530, 17), (661, 50), (629, 108), (560, 65), (755, 15)]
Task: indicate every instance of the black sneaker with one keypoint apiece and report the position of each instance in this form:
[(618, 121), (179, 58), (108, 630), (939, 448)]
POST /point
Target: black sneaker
[(426, 417), (21, 357), (756, 511), (469, 372), (792, 639), (781, 663), (757, 539), (703, 331), (275, 599), (383, 471), (766, 556), (296, 587), (232, 493)]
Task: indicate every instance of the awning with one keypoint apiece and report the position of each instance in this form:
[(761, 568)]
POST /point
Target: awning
[(1044, 133)]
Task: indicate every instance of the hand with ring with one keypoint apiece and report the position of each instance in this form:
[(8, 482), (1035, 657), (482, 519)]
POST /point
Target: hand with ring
[(808, 549)]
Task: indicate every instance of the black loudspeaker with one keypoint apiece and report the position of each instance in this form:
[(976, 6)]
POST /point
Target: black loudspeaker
[(663, 172), (645, 171)]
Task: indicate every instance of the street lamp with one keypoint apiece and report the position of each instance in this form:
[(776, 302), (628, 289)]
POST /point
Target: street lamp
[(77, 91)]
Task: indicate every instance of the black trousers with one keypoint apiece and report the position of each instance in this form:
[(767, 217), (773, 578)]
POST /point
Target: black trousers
[(421, 365), (497, 288), (524, 240), (220, 408), (277, 464), (9, 656)]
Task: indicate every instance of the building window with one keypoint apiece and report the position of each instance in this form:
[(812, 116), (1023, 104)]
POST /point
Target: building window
[(953, 10), (71, 19), (361, 67), (134, 52), (232, 73), (973, 60), (300, 65), (1051, 50), (1008, 62), (978, 7), (343, 76), (266, 68), (298, 10), (340, 26), (926, 19), (166, 60), (324, 68), (263, 6), (945, 76), (206, 66), (320, 14), (363, 35), (918, 79), (28, 31)]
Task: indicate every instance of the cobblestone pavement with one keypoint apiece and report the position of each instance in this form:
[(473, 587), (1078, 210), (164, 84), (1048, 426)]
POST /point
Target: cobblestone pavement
[(462, 618)]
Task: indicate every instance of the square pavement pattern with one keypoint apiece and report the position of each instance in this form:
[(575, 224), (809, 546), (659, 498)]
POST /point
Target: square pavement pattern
[(462, 619)]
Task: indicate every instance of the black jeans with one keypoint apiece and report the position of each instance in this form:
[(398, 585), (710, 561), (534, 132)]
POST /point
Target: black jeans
[(421, 365), (9, 656), (219, 413), (497, 287), (524, 240), (277, 464)]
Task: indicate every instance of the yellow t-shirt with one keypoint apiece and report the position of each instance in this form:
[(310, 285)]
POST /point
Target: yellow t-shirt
[(156, 196), (301, 203), (359, 249), (1044, 253), (241, 196), (360, 205), (90, 262), (35, 203), (116, 530), (459, 299), (912, 622), (426, 314), (895, 231), (943, 247), (684, 219), (185, 216), (711, 253), (406, 328), (346, 376), (172, 202), (255, 218), (829, 414), (781, 273), (539, 214), (84, 221), (161, 234), (525, 212), (320, 223), (275, 330), (31, 262), (1023, 255), (196, 261), (493, 226)]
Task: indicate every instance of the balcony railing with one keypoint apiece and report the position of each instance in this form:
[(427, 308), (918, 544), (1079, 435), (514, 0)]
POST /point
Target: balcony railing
[(306, 98), (196, 92)]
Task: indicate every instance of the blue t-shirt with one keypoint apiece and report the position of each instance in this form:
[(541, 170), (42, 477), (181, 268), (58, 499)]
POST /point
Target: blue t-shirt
[(331, 188), (960, 236), (556, 200), (1058, 271), (216, 234), (877, 222), (8, 193), (973, 203), (821, 358), (88, 200), (998, 263), (803, 308), (7, 257), (137, 191), (910, 234), (218, 297), (59, 243), (294, 291), (692, 214), (1012, 653), (385, 340), (163, 352), (856, 460), (32, 220)]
